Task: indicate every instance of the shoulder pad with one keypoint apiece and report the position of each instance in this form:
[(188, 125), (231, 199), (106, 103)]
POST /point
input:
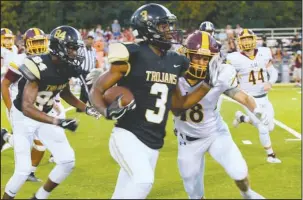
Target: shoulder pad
[(30, 70), (131, 47), (117, 52)]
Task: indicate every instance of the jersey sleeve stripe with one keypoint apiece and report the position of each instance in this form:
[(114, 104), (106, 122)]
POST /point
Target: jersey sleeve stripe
[(32, 67)]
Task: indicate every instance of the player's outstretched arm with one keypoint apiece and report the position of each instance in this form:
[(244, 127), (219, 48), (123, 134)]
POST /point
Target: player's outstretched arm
[(181, 103), (29, 98), (242, 97), (104, 82), (70, 98), (9, 78)]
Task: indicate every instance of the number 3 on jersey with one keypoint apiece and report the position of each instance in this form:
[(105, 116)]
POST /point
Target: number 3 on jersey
[(150, 115)]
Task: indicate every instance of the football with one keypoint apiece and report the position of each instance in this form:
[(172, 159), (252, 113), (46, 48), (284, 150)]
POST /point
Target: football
[(112, 93)]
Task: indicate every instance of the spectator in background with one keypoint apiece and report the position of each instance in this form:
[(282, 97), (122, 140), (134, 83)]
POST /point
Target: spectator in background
[(229, 31), (84, 33), (99, 46), (298, 68), (89, 63), (232, 47), (238, 29), (99, 35), (296, 43), (264, 44), (18, 37), (92, 32), (222, 36), (107, 34), (99, 29), (116, 29)]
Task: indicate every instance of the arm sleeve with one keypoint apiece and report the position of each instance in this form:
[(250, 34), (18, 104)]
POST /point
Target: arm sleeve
[(273, 74), (12, 76)]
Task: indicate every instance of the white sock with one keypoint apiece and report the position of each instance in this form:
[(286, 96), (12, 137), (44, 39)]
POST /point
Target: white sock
[(42, 193), (269, 151), (247, 194), (34, 169)]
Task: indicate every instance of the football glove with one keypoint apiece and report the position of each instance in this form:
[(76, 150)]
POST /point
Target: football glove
[(91, 111), (262, 116), (115, 110), (70, 124), (93, 75)]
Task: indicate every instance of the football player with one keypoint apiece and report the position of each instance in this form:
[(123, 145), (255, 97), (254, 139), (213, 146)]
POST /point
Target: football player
[(8, 49), (150, 71), (252, 66), (201, 128), (36, 43), (32, 111)]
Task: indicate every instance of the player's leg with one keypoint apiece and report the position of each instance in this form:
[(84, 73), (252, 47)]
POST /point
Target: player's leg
[(37, 153), (191, 164), (137, 161), (60, 110), (24, 129), (227, 154), (54, 139)]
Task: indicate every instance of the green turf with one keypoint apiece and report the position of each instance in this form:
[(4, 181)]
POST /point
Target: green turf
[(96, 172)]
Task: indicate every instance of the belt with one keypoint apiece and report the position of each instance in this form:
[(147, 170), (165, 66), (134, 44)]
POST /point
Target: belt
[(188, 138), (260, 96)]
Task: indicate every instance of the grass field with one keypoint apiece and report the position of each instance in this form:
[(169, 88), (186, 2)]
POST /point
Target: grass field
[(96, 172)]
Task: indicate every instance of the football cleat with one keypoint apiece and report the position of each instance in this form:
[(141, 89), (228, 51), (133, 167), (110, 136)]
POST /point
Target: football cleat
[(252, 195), (33, 178), (3, 132), (237, 119), (271, 158)]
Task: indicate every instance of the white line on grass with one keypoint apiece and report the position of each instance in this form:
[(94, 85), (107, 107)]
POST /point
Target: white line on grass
[(68, 109), (292, 139), (246, 142), (278, 123)]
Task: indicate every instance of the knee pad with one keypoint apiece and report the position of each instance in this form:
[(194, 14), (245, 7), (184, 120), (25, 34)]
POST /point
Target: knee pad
[(238, 171), (39, 147), (61, 171)]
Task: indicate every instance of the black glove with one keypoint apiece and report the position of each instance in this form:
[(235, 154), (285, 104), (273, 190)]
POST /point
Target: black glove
[(115, 110), (70, 124), (91, 111)]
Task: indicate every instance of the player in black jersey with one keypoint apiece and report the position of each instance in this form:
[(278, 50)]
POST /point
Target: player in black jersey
[(32, 112), (151, 71)]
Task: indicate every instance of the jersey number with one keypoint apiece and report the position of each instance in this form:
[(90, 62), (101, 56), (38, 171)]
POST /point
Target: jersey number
[(195, 114), (252, 76), (44, 98), (151, 115)]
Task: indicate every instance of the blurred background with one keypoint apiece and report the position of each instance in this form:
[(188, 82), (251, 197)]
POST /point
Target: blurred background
[(278, 24)]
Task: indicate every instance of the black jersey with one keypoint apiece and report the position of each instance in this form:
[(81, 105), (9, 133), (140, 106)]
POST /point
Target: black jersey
[(152, 80), (50, 81)]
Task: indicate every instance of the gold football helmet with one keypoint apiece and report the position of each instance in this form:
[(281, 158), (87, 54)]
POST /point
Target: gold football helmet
[(7, 38), (247, 40)]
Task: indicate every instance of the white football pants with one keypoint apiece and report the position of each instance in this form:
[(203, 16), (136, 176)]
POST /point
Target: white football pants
[(191, 161), (137, 162), (51, 136)]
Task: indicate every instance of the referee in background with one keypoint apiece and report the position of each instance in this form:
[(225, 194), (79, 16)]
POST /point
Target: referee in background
[(90, 62)]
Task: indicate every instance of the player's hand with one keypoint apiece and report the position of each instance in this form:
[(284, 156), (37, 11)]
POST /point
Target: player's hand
[(262, 116), (91, 111), (70, 124), (93, 75), (115, 110), (267, 87)]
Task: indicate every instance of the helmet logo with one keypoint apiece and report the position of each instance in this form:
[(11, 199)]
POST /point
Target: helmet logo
[(59, 34), (144, 15)]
